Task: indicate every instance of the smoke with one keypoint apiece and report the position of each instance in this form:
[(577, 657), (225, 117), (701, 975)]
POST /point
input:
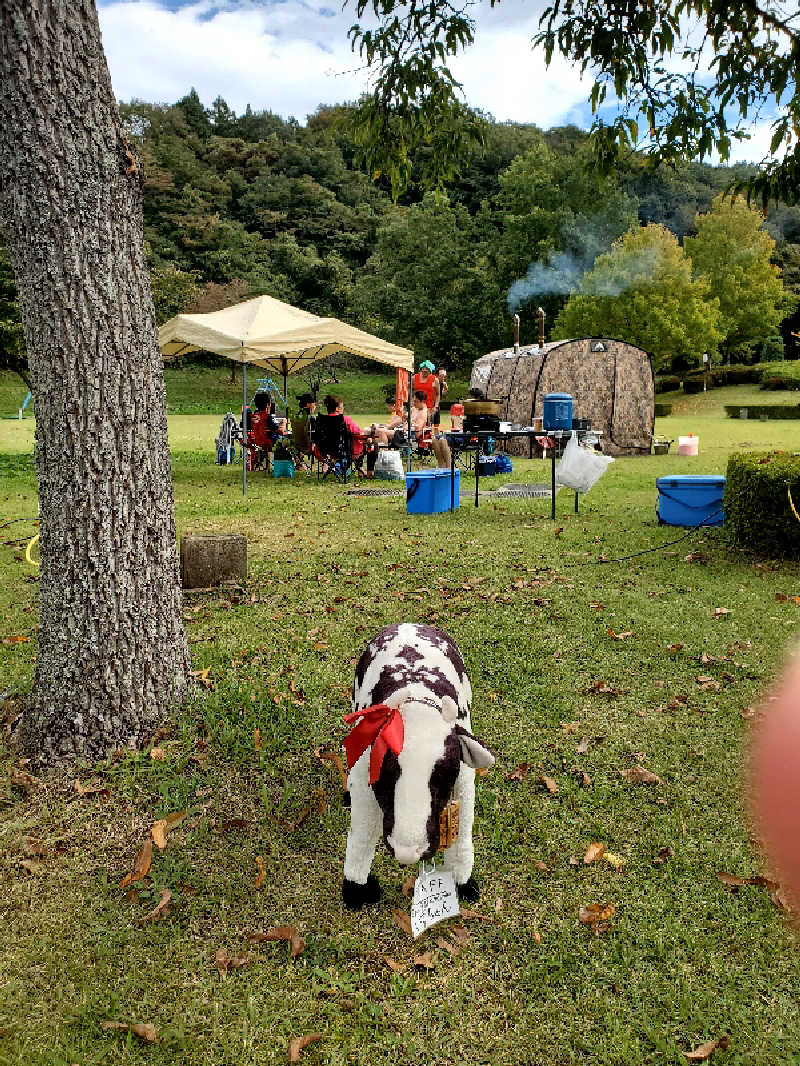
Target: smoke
[(563, 272)]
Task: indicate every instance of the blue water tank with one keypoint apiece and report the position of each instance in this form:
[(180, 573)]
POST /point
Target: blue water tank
[(691, 499), (428, 491), (557, 411)]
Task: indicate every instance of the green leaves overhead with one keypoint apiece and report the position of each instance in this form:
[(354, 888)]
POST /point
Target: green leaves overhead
[(695, 72)]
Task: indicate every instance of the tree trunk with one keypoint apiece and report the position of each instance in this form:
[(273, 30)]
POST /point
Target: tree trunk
[(113, 656)]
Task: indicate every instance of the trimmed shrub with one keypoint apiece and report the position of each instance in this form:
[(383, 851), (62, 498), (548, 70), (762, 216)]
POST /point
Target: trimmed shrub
[(787, 369), (692, 385), (758, 512), (663, 409), (771, 411), (669, 383)]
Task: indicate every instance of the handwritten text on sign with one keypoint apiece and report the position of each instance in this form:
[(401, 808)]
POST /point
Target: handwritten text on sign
[(435, 898)]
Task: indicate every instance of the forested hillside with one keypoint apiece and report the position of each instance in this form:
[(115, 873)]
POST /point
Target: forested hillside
[(250, 204)]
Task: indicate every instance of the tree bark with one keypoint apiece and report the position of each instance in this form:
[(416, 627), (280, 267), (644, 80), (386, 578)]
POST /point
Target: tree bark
[(113, 656)]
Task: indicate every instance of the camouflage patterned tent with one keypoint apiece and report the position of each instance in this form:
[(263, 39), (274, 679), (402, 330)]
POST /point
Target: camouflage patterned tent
[(611, 382)]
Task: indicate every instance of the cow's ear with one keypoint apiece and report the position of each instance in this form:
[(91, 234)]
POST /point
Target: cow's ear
[(473, 752), (449, 709)]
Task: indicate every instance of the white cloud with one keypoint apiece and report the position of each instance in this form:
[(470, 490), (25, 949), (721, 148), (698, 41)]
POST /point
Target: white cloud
[(289, 57)]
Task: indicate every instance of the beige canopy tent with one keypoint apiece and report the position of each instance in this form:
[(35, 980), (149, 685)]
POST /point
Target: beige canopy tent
[(267, 333)]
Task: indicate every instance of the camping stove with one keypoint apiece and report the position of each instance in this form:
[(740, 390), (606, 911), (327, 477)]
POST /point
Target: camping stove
[(481, 423)]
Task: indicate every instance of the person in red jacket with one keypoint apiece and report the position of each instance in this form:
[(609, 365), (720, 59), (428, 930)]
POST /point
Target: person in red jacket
[(426, 381)]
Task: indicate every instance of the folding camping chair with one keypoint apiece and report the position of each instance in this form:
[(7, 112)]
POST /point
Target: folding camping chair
[(335, 444)]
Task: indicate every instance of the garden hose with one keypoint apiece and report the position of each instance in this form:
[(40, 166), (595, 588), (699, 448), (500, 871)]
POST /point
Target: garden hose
[(791, 502), (28, 558)]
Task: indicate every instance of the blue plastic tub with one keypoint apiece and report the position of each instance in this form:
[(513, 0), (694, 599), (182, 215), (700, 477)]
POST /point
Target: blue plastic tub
[(691, 499), (428, 491), (557, 411), (282, 468)]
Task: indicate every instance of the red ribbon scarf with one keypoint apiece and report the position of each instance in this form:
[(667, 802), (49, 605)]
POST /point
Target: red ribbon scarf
[(379, 725)]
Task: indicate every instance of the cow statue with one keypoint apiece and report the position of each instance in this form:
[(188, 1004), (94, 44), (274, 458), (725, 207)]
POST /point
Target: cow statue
[(410, 751)]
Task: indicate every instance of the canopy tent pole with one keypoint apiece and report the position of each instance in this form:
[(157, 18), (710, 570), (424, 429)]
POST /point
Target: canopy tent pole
[(410, 398), (244, 429), (285, 393)]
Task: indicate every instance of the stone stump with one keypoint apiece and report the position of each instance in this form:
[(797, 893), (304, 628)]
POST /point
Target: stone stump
[(213, 558)]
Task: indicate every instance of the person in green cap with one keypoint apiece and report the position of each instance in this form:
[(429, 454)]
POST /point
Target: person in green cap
[(425, 381)]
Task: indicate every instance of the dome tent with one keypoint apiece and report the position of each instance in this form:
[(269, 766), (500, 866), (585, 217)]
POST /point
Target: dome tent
[(611, 382)]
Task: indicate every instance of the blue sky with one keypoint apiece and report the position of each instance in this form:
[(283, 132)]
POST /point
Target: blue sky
[(288, 56)]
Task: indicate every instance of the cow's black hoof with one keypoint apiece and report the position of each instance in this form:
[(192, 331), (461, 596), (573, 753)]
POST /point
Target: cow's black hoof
[(346, 798), (356, 896), (469, 892)]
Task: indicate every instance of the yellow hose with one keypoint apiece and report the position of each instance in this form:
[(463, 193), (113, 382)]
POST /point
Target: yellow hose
[(791, 503), (28, 558)]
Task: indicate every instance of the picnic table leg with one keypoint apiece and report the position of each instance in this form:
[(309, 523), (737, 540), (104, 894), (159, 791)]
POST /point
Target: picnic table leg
[(553, 482), (452, 480), (576, 503), (477, 471)]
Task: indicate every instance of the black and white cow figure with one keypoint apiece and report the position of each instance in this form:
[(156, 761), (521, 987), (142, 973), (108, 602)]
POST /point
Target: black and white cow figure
[(417, 670)]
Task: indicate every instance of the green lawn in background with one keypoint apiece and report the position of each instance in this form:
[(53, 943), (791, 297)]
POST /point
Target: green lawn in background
[(531, 603)]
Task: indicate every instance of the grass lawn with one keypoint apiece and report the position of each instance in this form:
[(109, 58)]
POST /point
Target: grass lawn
[(531, 603)]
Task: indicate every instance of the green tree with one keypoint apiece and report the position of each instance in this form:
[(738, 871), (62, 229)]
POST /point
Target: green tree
[(428, 285), (12, 342), (732, 251), (642, 291), (684, 106)]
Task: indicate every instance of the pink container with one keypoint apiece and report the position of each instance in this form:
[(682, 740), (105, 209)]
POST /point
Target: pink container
[(688, 445)]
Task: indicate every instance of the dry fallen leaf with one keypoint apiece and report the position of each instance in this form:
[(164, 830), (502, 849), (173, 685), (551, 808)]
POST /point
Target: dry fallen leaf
[(395, 964), (614, 860), (620, 636), (734, 883), (161, 829), (448, 946), (593, 852), (224, 962), (408, 884), (141, 865), (19, 639), (144, 1030), (162, 910), (602, 688), (476, 915), (402, 919), (460, 934), (91, 790), (22, 779), (639, 776), (520, 773), (541, 866), (158, 754), (662, 855), (583, 746), (426, 961), (674, 648), (720, 612), (297, 1043), (261, 876), (597, 914), (258, 744), (283, 932), (705, 1051), (549, 784), (332, 757)]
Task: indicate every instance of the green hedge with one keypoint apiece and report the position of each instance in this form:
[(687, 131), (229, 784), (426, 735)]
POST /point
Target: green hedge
[(771, 411), (758, 514), (668, 383), (663, 409), (692, 385)]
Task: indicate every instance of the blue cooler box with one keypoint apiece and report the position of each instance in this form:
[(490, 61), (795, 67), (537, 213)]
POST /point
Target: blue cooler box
[(428, 491), (557, 410), (691, 499)]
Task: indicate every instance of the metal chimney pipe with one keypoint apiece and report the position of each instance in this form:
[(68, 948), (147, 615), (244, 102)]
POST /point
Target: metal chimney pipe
[(540, 316), (516, 334)]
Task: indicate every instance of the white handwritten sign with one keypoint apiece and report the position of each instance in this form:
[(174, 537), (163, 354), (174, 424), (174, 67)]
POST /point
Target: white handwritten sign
[(435, 898)]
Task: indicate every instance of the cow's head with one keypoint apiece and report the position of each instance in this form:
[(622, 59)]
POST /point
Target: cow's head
[(415, 786)]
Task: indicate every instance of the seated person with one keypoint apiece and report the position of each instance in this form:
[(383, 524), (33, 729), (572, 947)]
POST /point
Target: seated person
[(425, 436), (362, 443), (301, 428), (391, 433), (457, 418)]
